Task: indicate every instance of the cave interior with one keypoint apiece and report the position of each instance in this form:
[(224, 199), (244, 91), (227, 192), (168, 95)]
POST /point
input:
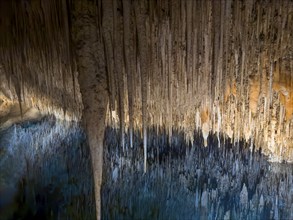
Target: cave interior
[(149, 109)]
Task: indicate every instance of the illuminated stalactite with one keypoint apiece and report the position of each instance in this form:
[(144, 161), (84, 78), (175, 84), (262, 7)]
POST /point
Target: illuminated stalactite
[(143, 41), (128, 56), (195, 54)]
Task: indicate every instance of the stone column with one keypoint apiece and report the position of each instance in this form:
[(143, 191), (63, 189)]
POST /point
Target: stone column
[(90, 58)]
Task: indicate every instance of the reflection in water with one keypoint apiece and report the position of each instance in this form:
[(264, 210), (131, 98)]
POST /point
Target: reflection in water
[(45, 174), (192, 182)]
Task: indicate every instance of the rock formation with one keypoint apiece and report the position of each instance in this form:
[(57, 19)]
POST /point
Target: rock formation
[(218, 66)]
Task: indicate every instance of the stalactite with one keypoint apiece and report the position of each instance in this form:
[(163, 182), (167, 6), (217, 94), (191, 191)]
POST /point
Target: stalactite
[(142, 23), (38, 56), (119, 70), (108, 41), (128, 52)]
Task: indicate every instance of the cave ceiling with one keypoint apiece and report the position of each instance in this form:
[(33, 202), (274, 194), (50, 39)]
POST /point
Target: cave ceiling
[(224, 67)]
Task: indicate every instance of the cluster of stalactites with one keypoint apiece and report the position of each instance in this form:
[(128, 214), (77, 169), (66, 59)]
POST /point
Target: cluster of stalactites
[(218, 66), (36, 56)]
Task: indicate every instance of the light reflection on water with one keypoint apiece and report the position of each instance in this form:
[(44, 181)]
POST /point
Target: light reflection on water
[(195, 183), (182, 182), (45, 172)]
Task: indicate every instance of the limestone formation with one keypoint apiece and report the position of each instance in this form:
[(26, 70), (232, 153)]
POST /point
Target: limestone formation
[(218, 66)]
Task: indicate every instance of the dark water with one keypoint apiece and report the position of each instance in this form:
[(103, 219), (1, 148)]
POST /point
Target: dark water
[(45, 174), (194, 182)]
